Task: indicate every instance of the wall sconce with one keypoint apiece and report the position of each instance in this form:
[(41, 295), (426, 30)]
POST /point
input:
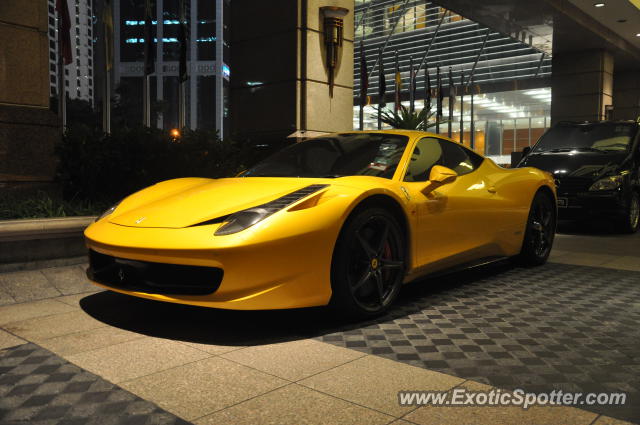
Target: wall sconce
[(333, 37)]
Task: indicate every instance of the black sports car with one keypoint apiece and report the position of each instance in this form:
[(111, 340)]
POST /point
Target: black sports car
[(596, 166)]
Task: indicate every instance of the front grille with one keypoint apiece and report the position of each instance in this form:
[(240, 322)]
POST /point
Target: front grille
[(153, 278), (573, 185)]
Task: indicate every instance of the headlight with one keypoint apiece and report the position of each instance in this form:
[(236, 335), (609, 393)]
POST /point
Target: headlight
[(108, 212), (241, 220), (607, 183)]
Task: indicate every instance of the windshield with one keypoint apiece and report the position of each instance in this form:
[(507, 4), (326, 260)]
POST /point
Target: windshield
[(355, 154), (597, 137)]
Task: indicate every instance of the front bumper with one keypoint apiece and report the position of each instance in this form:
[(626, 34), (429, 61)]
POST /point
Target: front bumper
[(282, 262), (582, 204)]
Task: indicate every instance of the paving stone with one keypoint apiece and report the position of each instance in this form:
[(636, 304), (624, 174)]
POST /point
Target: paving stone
[(27, 286), (69, 280), (59, 401), (538, 329)]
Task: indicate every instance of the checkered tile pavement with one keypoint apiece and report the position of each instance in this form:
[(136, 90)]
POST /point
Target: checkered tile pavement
[(39, 388), (565, 327)]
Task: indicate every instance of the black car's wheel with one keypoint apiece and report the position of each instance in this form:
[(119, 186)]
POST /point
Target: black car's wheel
[(368, 263), (630, 220), (540, 231)]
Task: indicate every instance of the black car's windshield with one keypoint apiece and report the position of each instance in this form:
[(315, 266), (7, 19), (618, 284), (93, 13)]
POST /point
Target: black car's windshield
[(349, 154), (595, 137)]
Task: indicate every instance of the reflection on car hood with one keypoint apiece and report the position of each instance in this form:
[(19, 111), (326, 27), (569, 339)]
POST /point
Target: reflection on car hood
[(186, 202), (592, 165)]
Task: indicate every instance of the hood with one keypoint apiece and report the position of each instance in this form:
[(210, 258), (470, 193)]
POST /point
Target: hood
[(202, 200), (592, 165)]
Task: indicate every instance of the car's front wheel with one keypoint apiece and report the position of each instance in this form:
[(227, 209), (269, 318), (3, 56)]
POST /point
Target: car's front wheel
[(368, 263), (629, 221), (540, 231)]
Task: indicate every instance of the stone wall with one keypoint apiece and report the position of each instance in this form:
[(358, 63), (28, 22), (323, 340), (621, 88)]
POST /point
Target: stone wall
[(28, 129)]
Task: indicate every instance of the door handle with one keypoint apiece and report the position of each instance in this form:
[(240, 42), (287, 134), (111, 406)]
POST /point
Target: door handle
[(491, 189)]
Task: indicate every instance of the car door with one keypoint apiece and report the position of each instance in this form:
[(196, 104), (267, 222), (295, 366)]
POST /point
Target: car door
[(450, 217)]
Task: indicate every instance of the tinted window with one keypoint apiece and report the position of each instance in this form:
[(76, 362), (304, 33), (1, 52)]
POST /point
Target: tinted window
[(591, 136), (459, 159), (431, 151), (426, 154), (370, 154)]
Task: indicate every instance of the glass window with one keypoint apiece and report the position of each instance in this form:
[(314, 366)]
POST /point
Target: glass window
[(589, 137), (347, 154), (426, 154), (431, 151), (459, 159)]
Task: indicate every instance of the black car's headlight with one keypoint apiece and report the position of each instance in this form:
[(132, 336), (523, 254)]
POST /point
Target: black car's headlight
[(108, 212), (607, 183), (241, 220)]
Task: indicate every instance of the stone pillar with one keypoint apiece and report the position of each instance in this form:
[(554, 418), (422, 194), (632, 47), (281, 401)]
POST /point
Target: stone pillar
[(626, 95), (28, 129), (582, 85), (279, 82)]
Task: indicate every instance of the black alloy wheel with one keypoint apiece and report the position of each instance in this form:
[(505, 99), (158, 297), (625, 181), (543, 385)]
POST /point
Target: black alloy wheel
[(368, 264), (540, 231), (630, 220)]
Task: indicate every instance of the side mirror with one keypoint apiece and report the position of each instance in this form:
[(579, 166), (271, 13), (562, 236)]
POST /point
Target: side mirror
[(442, 175), (526, 151)]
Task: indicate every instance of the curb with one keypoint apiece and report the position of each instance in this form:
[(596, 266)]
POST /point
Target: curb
[(47, 228), (38, 240)]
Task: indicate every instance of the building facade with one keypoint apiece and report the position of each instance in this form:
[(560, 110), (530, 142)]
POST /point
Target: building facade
[(511, 72), (29, 129), (78, 75), (206, 88)]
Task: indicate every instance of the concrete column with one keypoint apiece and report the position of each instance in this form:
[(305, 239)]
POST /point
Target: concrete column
[(626, 95), (582, 85), (279, 82)]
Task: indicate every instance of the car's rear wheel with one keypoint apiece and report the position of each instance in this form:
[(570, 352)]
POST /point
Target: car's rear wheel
[(629, 222), (368, 263), (540, 231)]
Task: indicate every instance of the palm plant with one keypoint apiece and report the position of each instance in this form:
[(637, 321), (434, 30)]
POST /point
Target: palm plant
[(406, 119)]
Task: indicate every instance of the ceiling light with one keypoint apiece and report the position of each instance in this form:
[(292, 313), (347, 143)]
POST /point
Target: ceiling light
[(598, 4), (638, 35)]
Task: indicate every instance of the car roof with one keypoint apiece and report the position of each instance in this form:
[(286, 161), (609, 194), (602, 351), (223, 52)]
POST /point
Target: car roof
[(401, 132)]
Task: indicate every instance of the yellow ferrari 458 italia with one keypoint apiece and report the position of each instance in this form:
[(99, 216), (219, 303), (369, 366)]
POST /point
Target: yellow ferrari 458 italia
[(341, 220)]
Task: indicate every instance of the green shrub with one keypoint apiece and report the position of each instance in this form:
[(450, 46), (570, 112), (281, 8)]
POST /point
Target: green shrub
[(42, 204), (98, 168)]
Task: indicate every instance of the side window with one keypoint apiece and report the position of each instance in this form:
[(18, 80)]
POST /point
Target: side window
[(426, 154), (459, 159)]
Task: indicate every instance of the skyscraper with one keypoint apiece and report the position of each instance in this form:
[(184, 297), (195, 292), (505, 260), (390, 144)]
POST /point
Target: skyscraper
[(204, 99), (79, 74)]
